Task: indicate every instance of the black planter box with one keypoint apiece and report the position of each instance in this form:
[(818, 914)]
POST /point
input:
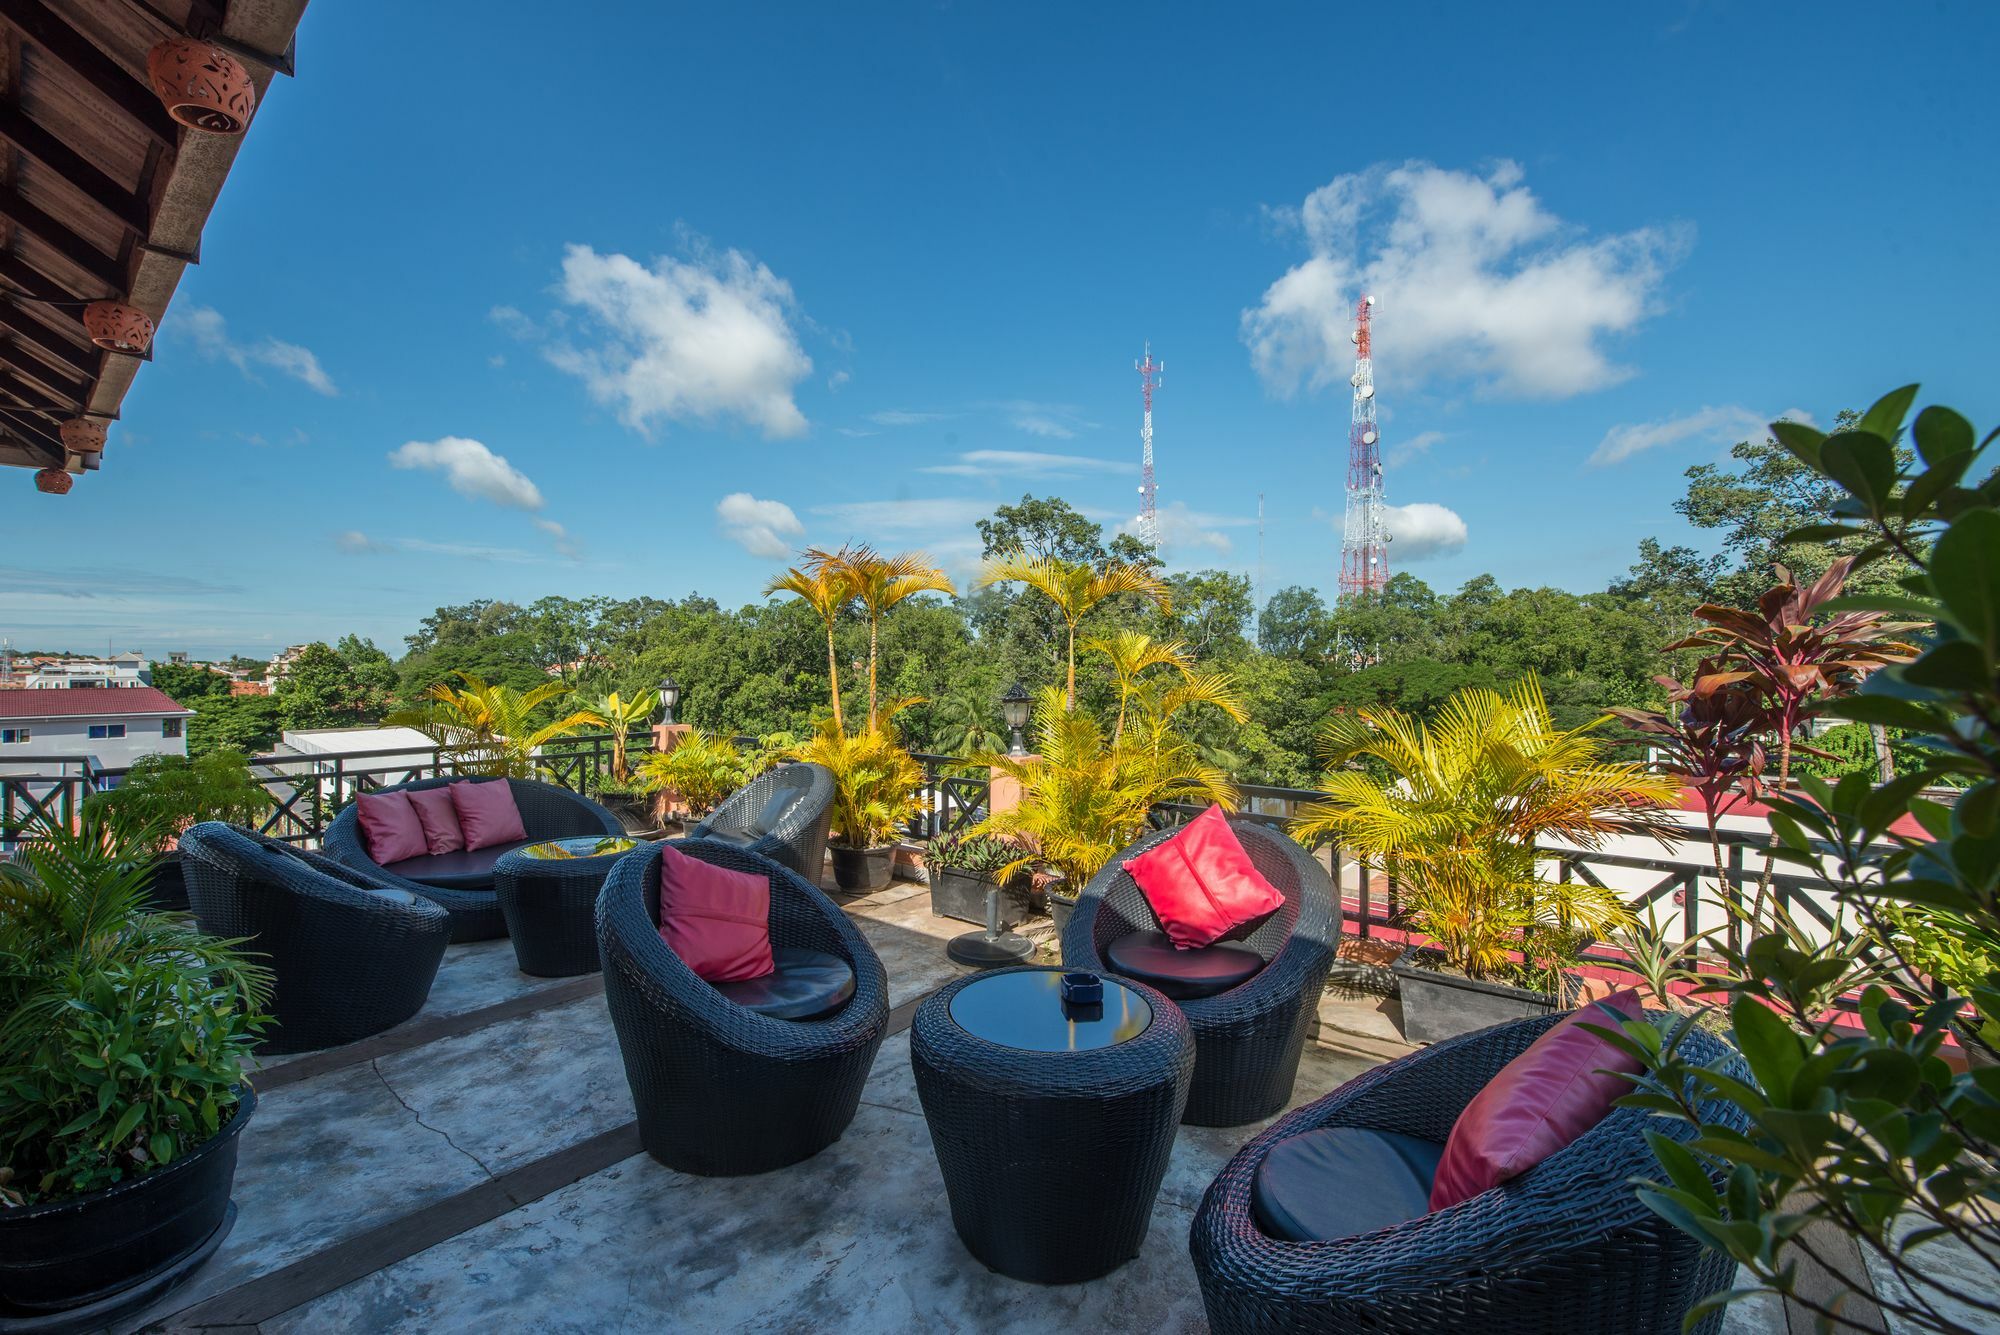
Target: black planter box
[(863, 868), (1060, 907), (960, 895), (1439, 1005)]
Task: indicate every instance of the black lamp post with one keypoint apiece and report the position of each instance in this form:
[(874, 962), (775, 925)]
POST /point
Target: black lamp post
[(1014, 707), (670, 696)]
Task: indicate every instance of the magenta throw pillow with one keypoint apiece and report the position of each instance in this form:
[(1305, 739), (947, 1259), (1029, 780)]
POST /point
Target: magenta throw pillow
[(486, 812), (438, 814), (717, 920), (1539, 1103), (389, 827), (1201, 883)]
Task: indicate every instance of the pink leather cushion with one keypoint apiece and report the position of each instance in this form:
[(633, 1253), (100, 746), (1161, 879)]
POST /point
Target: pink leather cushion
[(1538, 1103), (389, 827), (717, 920), (438, 814), (1201, 883), (486, 812)]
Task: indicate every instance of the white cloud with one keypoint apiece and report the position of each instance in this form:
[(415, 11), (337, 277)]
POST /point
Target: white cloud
[(837, 380), (1421, 530), (855, 431), (1183, 530), (1054, 421), (1037, 425), (1415, 447), (1720, 426), (210, 333), (903, 417), (759, 527), (514, 322), (869, 520), (471, 551), (1472, 277), (565, 544), (356, 543), (1027, 463), (700, 339), (472, 470)]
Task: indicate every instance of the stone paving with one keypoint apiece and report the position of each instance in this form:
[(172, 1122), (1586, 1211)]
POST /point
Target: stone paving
[(505, 1153)]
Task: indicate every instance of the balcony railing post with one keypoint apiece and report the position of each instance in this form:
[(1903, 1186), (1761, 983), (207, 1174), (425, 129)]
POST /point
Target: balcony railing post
[(1732, 897)]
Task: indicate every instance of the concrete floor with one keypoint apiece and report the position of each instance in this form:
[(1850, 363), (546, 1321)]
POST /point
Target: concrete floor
[(858, 1238)]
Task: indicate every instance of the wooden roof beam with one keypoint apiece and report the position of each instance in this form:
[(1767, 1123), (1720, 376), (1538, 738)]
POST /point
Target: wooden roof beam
[(73, 393), (23, 133), (51, 231), (22, 424), (43, 28), (34, 282), (52, 347)]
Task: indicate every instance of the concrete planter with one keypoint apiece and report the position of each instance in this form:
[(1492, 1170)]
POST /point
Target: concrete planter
[(1439, 1005), (961, 895)]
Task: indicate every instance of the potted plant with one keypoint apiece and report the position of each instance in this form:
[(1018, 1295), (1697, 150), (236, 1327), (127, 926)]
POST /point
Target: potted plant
[(1956, 951), (697, 774), (122, 1085), (161, 795), (1459, 808), (963, 868), (875, 785)]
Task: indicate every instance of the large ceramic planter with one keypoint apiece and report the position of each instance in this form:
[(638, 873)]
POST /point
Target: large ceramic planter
[(1060, 907), (863, 868), (961, 895), (127, 1244), (1439, 1005)]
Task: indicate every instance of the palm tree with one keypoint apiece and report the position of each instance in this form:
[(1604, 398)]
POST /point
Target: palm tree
[(1131, 652), (619, 716), (880, 582), (827, 588), (1468, 798), (1075, 587), (488, 728)]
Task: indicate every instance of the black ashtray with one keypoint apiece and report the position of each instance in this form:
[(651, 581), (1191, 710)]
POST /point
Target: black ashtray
[(1082, 989)]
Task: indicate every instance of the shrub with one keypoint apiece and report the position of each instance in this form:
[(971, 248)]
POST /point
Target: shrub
[(701, 771)]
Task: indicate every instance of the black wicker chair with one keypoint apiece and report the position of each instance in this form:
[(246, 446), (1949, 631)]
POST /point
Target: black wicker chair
[(1565, 1247), (783, 814), (547, 812), (348, 959), (1248, 1039), (722, 1090)]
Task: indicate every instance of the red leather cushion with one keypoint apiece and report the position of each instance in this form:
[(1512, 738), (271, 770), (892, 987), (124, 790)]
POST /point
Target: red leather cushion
[(1539, 1103), (1201, 883), (717, 920), (438, 814), (389, 827), (486, 812)]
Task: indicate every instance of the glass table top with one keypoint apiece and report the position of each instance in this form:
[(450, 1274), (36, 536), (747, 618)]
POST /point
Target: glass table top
[(1025, 1010), (584, 846)]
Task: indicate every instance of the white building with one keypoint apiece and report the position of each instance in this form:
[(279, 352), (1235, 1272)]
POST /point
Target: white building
[(108, 726), (119, 672)]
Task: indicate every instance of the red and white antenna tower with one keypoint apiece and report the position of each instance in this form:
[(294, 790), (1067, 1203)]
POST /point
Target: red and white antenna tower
[(1149, 519), (1364, 545)]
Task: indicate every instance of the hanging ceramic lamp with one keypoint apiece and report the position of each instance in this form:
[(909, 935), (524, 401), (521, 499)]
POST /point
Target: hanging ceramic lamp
[(117, 327), (202, 86), (80, 435), (54, 481)]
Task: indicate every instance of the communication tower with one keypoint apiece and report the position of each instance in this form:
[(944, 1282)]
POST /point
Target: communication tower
[(1364, 544), (1149, 520)]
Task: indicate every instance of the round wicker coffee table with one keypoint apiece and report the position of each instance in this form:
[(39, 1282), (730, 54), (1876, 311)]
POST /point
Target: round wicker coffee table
[(548, 896), (1052, 1124)]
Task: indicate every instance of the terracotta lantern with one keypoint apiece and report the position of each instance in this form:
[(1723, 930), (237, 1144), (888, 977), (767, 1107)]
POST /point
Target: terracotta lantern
[(82, 436), (117, 327), (202, 86), (53, 480)]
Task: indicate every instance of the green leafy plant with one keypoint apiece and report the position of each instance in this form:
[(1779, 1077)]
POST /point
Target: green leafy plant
[(875, 782), (1075, 587), (161, 795), (701, 771), (490, 729), (878, 583), (618, 715), (125, 1032), (1469, 794), (979, 856), (1871, 1131), (826, 588)]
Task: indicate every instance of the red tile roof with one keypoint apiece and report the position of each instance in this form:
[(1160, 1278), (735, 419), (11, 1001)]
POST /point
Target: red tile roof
[(88, 702)]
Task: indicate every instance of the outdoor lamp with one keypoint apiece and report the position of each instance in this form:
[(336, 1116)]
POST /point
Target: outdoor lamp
[(670, 696), (1014, 707)]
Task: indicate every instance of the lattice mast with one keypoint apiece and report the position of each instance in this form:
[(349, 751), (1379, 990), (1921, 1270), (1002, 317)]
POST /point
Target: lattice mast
[(1364, 546), (1148, 524)]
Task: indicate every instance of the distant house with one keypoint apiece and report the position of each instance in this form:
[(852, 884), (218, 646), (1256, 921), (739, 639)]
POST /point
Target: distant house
[(109, 726), (119, 672)]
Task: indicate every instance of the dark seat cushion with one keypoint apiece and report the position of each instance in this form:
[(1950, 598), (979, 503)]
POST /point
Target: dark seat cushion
[(784, 792), (465, 869), (806, 985), (1184, 975), (1342, 1180)]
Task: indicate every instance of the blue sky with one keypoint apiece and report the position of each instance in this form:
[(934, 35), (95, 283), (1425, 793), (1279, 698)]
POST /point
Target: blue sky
[(638, 301)]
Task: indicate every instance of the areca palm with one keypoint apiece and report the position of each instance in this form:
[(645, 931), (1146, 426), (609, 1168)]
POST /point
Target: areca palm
[(489, 729), (879, 583), (619, 716), (1470, 795), (826, 588), (1130, 653), (1075, 587)]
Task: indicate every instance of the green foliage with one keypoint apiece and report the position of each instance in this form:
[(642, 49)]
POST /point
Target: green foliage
[(701, 770), (490, 729), (979, 856), (875, 782), (618, 715), (322, 689), (161, 795), (249, 724), (186, 684), (125, 1033)]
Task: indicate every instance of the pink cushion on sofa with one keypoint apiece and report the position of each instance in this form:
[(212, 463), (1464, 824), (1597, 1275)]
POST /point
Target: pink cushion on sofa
[(1201, 883), (389, 827), (717, 920), (486, 812), (438, 814), (1538, 1104)]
